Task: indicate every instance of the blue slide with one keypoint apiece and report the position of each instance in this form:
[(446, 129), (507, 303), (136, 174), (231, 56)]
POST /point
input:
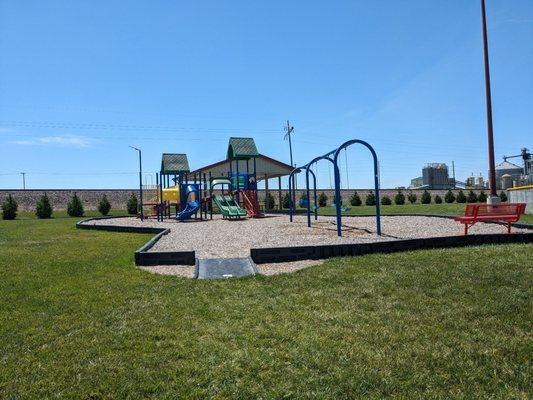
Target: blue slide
[(193, 204)]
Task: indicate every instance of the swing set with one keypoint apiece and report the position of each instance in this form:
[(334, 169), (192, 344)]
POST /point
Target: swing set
[(333, 158)]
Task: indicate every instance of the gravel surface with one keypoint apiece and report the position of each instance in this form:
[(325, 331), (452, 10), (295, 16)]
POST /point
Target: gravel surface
[(220, 238)]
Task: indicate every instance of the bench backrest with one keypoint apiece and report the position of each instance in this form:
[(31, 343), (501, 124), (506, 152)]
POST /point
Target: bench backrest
[(474, 210)]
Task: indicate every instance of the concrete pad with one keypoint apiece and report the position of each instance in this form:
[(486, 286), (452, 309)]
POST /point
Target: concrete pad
[(222, 268)]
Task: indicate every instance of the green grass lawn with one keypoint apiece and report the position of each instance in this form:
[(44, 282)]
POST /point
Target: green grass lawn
[(78, 320)]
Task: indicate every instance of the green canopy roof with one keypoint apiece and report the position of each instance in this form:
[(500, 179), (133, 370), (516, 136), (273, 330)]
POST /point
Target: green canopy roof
[(174, 164), (241, 149)]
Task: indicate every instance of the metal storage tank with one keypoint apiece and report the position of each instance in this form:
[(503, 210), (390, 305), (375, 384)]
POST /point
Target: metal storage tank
[(507, 168), (506, 181)]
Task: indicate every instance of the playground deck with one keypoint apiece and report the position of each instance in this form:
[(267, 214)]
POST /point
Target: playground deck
[(220, 238)]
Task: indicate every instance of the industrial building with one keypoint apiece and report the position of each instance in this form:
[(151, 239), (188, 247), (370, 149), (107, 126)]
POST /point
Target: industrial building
[(511, 175), (434, 176)]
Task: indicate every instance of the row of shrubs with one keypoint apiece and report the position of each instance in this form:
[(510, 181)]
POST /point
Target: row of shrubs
[(400, 198), (44, 207)]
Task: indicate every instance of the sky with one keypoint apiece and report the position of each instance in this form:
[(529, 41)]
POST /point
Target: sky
[(80, 81)]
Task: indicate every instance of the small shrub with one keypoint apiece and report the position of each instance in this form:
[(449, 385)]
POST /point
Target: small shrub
[(132, 205), (104, 206), (322, 200), (461, 198), (412, 198), (449, 197), (399, 199), (471, 198), (285, 201), (303, 196), (425, 198), (386, 201), (482, 197), (503, 196), (9, 208), (438, 199), (270, 202), (355, 200), (74, 207), (370, 199), (43, 208)]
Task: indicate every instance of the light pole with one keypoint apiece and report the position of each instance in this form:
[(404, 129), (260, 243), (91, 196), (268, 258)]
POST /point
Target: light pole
[(140, 181), (493, 197), (289, 130)]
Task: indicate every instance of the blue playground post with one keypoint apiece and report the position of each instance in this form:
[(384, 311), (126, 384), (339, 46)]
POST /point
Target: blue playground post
[(291, 205), (338, 180)]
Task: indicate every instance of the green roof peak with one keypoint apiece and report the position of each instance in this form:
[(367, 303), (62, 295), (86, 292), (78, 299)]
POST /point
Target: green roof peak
[(241, 148)]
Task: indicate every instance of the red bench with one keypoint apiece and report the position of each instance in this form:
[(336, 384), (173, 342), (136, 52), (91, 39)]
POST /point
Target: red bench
[(507, 213)]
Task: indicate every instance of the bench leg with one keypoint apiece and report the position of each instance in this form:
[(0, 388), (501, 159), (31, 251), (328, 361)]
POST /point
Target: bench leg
[(508, 227), (466, 229)]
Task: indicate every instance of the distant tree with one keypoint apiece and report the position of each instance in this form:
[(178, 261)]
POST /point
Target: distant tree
[(322, 200), (503, 196), (482, 197), (9, 208), (355, 200), (412, 197), (285, 201), (438, 199), (269, 200), (399, 199), (449, 197), (335, 201), (43, 208), (104, 206), (425, 198), (461, 198), (75, 207), (471, 197), (370, 199), (386, 201), (133, 204)]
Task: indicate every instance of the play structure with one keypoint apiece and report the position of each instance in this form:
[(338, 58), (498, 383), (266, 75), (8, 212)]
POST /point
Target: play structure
[(333, 158), (183, 195)]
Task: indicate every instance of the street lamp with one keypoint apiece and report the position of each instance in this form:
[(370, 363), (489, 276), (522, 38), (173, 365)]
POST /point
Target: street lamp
[(140, 181), (493, 197)]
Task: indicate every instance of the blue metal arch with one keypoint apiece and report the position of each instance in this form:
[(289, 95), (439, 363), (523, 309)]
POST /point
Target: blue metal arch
[(338, 179), (291, 202), (307, 170), (291, 205)]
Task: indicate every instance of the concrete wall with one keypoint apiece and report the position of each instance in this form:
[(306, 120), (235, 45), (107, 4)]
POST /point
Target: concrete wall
[(119, 197), (522, 196)]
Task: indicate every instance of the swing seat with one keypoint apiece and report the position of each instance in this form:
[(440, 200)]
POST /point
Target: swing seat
[(343, 209)]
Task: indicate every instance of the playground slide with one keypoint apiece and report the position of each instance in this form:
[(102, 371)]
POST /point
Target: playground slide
[(192, 206), (228, 207), (252, 204)]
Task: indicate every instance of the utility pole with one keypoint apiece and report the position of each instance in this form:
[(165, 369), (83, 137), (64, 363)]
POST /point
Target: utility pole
[(453, 174), (288, 132), (23, 180), (493, 197), (140, 181)]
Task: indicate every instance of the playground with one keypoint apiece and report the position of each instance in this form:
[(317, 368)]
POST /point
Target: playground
[(211, 217)]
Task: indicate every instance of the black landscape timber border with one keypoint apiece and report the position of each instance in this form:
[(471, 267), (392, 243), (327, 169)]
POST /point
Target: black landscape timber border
[(287, 254), (143, 257)]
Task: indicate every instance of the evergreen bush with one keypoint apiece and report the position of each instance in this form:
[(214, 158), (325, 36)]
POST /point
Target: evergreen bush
[(104, 206), (322, 200), (503, 196), (285, 201), (270, 202), (399, 199), (412, 198), (133, 204), (355, 200), (438, 199), (461, 198), (449, 197), (471, 198), (370, 199), (43, 208), (482, 197), (425, 198), (74, 207), (386, 201), (335, 201), (9, 208)]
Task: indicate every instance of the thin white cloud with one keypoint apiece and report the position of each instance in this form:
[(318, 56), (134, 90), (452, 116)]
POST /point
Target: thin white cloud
[(64, 141)]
